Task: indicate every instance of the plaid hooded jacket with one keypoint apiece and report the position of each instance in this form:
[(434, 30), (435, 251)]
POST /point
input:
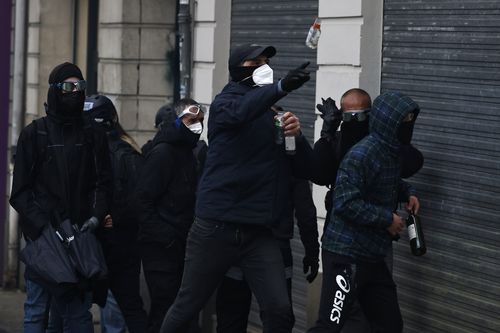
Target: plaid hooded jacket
[(368, 186)]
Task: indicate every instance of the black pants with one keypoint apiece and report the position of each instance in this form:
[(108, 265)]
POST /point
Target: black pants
[(234, 296), (357, 298), (124, 264), (212, 248), (163, 265)]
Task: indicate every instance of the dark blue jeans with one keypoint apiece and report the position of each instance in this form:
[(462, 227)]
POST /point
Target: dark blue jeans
[(75, 314), (213, 247)]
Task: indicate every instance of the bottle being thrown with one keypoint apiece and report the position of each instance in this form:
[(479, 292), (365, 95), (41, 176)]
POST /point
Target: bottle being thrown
[(314, 33)]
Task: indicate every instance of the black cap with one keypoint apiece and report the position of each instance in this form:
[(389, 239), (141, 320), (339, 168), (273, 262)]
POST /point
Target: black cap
[(249, 51)]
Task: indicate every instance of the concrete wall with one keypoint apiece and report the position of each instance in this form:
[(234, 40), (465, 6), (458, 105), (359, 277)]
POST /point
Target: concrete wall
[(349, 56), (211, 39), (135, 42)]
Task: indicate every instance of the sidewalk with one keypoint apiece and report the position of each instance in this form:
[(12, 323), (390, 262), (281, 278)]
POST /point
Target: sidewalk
[(11, 312)]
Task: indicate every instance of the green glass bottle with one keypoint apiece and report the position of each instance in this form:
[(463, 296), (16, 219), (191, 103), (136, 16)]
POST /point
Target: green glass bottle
[(415, 235)]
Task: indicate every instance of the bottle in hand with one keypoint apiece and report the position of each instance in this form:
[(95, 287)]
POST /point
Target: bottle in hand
[(416, 235)]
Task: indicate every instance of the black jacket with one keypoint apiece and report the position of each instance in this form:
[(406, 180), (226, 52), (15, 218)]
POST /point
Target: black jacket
[(246, 178), (166, 191), (62, 170), (301, 202)]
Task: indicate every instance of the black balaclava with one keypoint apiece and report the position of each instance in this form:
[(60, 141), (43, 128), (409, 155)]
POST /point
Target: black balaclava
[(244, 52), (411, 160), (66, 107), (351, 133), (243, 74), (405, 132)]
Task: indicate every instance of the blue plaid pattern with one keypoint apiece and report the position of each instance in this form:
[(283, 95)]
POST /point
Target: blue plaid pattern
[(368, 185)]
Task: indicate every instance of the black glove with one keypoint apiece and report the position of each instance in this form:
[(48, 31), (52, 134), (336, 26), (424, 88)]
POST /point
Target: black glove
[(91, 224), (331, 117), (295, 78), (311, 264)]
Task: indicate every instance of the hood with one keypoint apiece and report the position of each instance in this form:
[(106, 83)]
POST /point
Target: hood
[(388, 111), (55, 106), (176, 133)]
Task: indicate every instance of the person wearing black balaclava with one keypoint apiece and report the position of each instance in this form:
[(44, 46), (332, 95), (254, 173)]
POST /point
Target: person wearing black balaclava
[(244, 189), (61, 171), (335, 142), (166, 199)]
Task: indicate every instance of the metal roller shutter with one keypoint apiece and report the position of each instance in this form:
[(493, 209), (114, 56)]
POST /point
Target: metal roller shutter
[(446, 55), (283, 24)]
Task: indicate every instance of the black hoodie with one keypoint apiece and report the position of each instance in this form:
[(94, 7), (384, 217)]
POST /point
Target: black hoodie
[(62, 169), (166, 191)]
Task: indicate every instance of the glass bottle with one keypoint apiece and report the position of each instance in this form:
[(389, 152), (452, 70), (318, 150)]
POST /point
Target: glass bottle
[(314, 33)]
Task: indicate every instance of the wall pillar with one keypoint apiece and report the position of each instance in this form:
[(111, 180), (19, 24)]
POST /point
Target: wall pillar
[(349, 56), (136, 43)]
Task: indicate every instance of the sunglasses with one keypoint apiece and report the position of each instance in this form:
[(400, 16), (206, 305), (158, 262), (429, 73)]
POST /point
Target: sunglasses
[(71, 86), (191, 111), (357, 115)]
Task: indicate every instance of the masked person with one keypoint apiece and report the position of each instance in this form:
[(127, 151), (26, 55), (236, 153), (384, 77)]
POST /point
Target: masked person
[(121, 226), (358, 293), (166, 197), (341, 130), (61, 172), (243, 191)]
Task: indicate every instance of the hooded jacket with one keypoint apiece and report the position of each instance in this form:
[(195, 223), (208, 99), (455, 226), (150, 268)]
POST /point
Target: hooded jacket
[(166, 192), (62, 167), (368, 185), (247, 176)]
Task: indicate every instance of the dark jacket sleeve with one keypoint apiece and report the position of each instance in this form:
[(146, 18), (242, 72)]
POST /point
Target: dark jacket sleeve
[(33, 217), (232, 112), (354, 172), (103, 190), (325, 162), (155, 177), (305, 213), (301, 161)]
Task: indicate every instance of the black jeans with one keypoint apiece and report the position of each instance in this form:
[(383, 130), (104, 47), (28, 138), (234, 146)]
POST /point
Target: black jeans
[(212, 248), (357, 298), (163, 265), (234, 296)]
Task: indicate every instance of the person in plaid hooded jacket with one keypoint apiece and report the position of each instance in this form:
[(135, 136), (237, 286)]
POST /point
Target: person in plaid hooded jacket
[(358, 292)]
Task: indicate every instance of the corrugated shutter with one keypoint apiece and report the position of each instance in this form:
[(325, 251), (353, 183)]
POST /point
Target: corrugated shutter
[(283, 24), (446, 55)]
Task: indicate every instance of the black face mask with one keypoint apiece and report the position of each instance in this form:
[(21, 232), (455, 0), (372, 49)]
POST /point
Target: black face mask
[(71, 104), (411, 160), (243, 73), (351, 133), (188, 136), (405, 132)]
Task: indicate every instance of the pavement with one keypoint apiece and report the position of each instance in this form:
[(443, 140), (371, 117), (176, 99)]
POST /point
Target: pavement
[(11, 312)]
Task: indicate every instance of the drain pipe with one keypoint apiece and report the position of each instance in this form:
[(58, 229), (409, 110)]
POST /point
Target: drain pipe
[(184, 46), (11, 274)]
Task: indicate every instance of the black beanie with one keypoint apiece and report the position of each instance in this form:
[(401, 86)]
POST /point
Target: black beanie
[(54, 95), (64, 71)]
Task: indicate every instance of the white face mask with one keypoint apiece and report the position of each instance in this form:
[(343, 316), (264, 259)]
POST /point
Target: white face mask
[(263, 75), (196, 128)]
